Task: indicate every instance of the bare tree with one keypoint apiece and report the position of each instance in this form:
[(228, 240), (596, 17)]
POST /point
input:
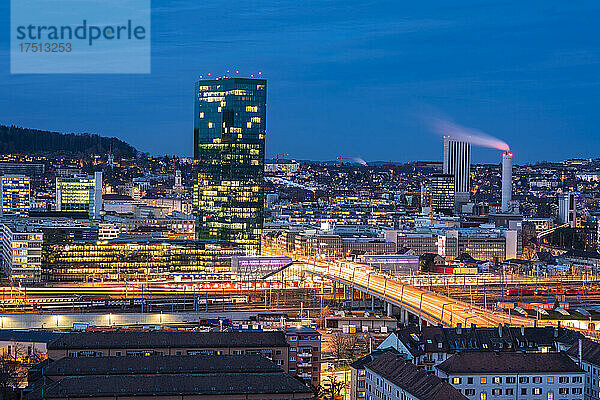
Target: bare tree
[(342, 346), (331, 388)]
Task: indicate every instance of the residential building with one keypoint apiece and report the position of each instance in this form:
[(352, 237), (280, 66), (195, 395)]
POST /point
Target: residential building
[(587, 355), (80, 193), (492, 375), (390, 376), (14, 195), (184, 377), (229, 153), (305, 354), (270, 344)]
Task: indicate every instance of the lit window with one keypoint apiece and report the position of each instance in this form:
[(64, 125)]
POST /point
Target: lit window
[(210, 124), (248, 124)]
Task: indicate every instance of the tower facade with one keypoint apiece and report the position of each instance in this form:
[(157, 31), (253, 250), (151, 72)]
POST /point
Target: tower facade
[(457, 162), (229, 154), (14, 195), (80, 193)]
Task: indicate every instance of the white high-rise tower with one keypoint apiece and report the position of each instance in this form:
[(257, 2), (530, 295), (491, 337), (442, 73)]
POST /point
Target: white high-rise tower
[(457, 162)]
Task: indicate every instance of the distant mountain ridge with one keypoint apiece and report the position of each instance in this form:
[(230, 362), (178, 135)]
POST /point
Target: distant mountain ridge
[(18, 140)]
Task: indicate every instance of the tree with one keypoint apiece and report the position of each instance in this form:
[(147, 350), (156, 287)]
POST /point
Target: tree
[(331, 389), (342, 346), (323, 314)]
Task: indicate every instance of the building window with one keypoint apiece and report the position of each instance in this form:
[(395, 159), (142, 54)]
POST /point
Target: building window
[(550, 379), (483, 380), (537, 390), (470, 380), (496, 392), (482, 396), (497, 379)]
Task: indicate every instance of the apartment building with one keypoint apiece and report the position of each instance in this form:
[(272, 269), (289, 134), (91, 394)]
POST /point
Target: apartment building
[(305, 354), (515, 375), (390, 376)]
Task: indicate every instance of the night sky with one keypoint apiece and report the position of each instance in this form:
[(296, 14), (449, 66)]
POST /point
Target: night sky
[(350, 78)]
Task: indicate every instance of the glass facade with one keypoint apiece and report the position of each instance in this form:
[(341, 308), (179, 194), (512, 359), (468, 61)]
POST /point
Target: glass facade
[(229, 152), (14, 195), (80, 193), (136, 260)]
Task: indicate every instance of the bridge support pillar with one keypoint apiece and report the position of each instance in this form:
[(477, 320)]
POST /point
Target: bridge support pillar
[(389, 309), (372, 303), (334, 292)]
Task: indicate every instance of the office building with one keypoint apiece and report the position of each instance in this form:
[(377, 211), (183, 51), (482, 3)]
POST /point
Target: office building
[(390, 376), (442, 193), (457, 162), (567, 209), (229, 153), (80, 194), (23, 241), (21, 251), (490, 375), (134, 258), (14, 195)]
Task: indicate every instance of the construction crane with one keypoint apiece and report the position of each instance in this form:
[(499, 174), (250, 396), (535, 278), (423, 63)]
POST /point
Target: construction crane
[(282, 157)]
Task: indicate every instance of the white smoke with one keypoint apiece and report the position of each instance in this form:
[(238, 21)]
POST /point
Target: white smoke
[(447, 128), (360, 161)]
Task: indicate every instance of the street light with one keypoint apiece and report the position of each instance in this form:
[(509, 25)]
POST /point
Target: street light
[(442, 317)]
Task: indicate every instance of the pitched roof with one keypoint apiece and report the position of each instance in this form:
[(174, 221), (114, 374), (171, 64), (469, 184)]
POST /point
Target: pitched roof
[(590, 351), (79, 366), (8, 335), (173, 385), (413, 379), (144, 340), (508, 362)]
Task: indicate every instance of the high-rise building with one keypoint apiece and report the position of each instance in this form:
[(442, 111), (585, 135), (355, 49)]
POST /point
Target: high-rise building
[(80, 193), (229, 152), (14, 195), (567, 209), (457, 162), (442, 193)]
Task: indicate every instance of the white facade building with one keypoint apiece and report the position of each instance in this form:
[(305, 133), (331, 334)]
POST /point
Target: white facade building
[(514, 375)]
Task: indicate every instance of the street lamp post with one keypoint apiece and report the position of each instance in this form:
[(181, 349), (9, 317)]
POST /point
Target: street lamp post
[(442, 317)]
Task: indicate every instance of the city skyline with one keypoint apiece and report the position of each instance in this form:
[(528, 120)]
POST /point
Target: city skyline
[(353, 81)]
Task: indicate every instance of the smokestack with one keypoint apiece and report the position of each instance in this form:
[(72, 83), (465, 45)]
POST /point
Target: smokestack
[(506, 180)]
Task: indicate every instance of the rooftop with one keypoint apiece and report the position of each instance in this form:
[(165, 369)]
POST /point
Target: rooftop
[(509, 362), (131, 365), (413, 379), (144, 340)]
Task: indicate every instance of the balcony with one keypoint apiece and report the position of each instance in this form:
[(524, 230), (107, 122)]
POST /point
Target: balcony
[(303, 365), (304, 354)]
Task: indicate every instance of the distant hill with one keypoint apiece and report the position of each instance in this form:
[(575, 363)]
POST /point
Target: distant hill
[(17, 140)]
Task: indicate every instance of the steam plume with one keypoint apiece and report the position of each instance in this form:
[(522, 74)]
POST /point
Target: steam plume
[(360, 161), (476, 137)]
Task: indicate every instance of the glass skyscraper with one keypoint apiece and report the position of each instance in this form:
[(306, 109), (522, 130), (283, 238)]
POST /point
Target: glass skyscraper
[(80, 193), (229, 152)]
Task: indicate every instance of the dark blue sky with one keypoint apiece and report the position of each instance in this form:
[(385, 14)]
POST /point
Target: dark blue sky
[(351, 78)]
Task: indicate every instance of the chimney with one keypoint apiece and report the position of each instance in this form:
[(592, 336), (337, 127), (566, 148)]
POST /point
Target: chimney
[(458, 328), (522, 330), (580, 353), (506, 179), (556, 331), (500, 330)]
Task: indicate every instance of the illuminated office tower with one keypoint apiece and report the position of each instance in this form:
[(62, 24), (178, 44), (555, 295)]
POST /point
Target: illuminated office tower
[(80, 193), (457, 162), (442, 193), (567, 209), (229, 152), (14, 195)]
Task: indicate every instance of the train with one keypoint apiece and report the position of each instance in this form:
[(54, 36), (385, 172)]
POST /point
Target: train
[(102, 303), (552, 291)]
